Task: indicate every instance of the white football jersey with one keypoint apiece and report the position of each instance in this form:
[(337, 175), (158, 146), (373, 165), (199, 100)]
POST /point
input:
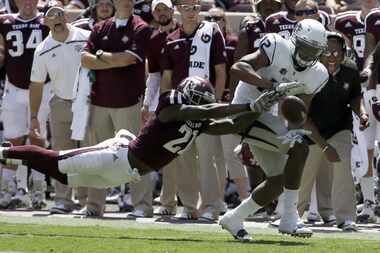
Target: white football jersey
[(281, 69)]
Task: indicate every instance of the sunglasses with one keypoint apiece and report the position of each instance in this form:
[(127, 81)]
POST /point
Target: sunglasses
[(187, 7), (214, 18), (58, 14), (330, 53), (306, 12)]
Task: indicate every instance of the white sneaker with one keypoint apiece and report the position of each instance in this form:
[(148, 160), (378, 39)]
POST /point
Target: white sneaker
[(235, 227), (367, 215), (313, 217), (5, 199), (348, 226), (187, 214), (209, 215), (289, 225)]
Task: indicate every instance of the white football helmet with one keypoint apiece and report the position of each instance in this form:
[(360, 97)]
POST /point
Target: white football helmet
[(310, 40)]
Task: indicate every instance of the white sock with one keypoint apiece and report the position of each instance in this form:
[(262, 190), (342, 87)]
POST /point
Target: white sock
[(280, 204), (368, 188), (290, 200), (246, 207)]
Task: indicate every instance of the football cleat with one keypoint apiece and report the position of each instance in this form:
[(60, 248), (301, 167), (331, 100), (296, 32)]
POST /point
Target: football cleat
[(235, 227), (291, 226)]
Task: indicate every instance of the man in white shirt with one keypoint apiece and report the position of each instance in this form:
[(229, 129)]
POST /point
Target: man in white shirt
[(58, 56)]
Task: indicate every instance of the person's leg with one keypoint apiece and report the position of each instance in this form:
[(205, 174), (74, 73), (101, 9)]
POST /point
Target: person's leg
[(273, 164), (237, 171), (141, 192), (60, 125), (312, 165), (208, 146), (169, 189), (343, 184)]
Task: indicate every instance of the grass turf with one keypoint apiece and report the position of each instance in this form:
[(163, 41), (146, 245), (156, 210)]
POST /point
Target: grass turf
[(47, 238)]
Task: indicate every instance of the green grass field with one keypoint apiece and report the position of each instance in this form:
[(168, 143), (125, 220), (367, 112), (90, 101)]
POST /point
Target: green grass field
[(48, 238)]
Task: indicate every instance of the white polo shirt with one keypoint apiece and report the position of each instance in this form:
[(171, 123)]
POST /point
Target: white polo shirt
[(59, 60)]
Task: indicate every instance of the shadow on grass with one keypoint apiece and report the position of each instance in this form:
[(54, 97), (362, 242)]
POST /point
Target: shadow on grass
[(167, 239)]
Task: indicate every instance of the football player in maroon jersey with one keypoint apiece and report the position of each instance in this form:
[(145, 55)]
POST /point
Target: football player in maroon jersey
[(20, 34), (181, 116)]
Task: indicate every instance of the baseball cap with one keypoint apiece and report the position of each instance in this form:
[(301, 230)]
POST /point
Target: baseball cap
[(168, 3)]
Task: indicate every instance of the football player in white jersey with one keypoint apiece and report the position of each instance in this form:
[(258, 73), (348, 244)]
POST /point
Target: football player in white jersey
[(278, 62)]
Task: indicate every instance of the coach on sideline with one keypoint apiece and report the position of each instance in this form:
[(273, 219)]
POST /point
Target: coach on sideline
[(330, 120), (115, 51), (58, 56)]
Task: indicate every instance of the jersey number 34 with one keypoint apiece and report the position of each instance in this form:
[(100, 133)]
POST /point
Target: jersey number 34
[(18, 42)]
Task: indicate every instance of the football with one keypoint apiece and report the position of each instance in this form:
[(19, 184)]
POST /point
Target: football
[(294, 110)]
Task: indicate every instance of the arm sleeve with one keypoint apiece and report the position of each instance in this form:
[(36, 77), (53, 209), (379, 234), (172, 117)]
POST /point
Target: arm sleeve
[(152, 91), (218, 54), (92, 45)]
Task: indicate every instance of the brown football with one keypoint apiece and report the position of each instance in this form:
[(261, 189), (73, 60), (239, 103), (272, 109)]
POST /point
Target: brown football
[(294, 110)]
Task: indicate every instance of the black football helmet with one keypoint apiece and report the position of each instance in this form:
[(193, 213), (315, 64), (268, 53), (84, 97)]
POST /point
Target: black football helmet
[(197, 90)]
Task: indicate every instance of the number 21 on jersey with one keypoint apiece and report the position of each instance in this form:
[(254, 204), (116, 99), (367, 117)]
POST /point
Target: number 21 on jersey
[(18, 41), (180, 145)]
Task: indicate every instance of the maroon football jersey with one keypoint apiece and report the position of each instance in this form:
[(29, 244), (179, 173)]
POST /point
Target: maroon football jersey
[(21, 38), (176, 55), (281, 24), (158, 143), (352, 26), (255, 31), (372, 24)]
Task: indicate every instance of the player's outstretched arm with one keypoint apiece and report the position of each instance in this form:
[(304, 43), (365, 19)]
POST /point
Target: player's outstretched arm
[(236, 125), (199, 112)]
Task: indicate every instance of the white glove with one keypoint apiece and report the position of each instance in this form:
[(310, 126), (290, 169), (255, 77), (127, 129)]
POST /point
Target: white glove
[(265, 101), (291, 88), (294, 136)]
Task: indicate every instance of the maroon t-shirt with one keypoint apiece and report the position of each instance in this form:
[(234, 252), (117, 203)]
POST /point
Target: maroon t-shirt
[(21, 38), (352, 26), (255, 30), (176, 55), (157, 42), (119, 87), (158, 143)]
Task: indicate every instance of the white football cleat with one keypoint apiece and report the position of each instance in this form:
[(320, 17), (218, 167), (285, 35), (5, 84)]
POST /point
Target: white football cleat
[(291, 226), (235, 227)]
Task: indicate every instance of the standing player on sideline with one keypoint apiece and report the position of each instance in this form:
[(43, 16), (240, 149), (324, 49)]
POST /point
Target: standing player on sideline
[(20, 34), (277, 61)]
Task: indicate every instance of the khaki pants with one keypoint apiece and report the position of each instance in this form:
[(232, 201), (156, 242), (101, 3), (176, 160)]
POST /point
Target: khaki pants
[(60, 123), (181, 176), (104, 123), (334, 185), (212, 171)]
